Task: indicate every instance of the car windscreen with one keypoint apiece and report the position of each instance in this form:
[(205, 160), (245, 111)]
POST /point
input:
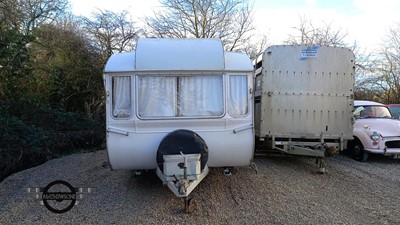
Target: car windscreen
[(375, 111)]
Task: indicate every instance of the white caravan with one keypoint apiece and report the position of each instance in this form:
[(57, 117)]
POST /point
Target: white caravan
[(304, 99), (179, 106)]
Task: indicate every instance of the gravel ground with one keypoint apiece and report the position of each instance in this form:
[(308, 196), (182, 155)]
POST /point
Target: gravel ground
[(287, 190)]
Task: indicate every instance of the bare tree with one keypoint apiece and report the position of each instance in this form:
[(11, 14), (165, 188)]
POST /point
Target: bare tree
[(308, 33), (67, 70), (368, 84), (230, 20), (26, 15), (256, 46), (388, 70), (111, 32)]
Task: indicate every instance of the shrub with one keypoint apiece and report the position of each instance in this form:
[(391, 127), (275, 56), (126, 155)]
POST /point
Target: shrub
[(35, 136), (21, 146)]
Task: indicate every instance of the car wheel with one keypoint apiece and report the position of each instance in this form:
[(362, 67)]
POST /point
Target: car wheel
[(358, 152)]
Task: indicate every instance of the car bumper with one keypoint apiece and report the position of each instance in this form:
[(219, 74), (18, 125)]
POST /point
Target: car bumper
[(395, 151), (387, 146)]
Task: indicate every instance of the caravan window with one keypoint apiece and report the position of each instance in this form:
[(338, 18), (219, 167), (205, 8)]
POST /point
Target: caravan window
[(180, 96), (121, 97), (238, 95)]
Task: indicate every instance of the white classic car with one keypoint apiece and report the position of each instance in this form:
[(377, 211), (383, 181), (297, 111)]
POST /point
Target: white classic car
[(374, 131)]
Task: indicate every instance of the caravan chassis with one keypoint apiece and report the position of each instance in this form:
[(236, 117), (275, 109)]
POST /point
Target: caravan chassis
[(319, 148)]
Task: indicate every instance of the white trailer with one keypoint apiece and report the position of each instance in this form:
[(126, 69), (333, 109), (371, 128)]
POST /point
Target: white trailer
[(179, 106), (304, 99)]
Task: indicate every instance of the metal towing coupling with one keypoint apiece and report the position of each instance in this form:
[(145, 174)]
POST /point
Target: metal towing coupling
[(183, 184), (182, 174)]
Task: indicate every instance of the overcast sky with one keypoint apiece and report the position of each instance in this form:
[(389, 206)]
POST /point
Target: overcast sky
[(366, 21)]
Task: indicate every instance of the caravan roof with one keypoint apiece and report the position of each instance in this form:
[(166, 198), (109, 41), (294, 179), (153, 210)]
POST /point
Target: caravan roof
[(153, 54)]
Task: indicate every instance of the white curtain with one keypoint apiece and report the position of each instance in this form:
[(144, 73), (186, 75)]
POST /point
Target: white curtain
[(180, 96), (201, 96), (157, 96), (238, 95), (122, 107)]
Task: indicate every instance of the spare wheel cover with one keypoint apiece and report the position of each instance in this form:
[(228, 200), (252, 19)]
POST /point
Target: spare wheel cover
[(186, 141)]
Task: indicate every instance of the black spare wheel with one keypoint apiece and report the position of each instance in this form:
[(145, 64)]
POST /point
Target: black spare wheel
[(185, 141)]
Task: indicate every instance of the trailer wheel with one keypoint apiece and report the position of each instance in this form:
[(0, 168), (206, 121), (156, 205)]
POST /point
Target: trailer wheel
[(185, 141), (358, 153)]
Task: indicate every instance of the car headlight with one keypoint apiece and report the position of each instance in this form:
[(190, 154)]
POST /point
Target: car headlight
[(375, 136)]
